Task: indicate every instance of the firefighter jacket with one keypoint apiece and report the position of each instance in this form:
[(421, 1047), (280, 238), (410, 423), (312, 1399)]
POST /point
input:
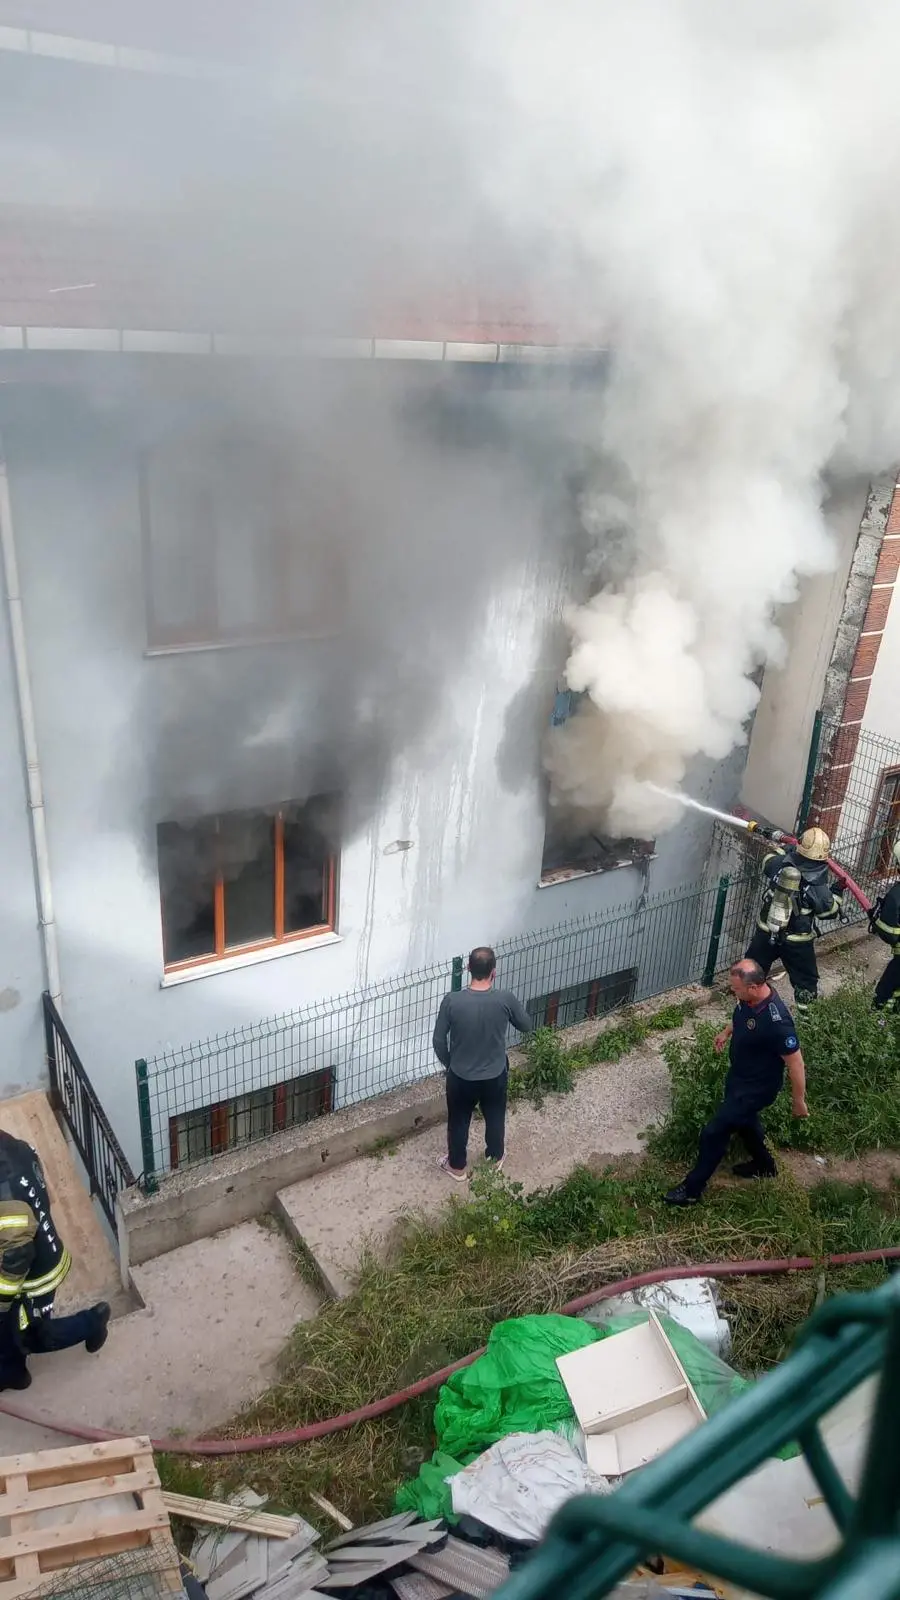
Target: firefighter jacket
[(884, 918), (33, 1259), (815, 901)]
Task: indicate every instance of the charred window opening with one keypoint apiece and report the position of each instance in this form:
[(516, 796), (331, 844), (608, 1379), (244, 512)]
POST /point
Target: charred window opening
[(241, 539), (572, 848), (246, 880)]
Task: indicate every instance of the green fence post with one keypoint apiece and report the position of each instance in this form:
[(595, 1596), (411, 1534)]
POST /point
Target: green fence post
[(715, 935), (148, 1177), (456, 975), (812, 762)]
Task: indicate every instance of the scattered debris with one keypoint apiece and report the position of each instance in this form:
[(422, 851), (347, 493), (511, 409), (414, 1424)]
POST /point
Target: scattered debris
[(359, 1557), (331, 1511), (631, 1396), (692, 1302), (517, 1485), (465, 1568), (63, 1510), (415, 1586), (229, 1515)]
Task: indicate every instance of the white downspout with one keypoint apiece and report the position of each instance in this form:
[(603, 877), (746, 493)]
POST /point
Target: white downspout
[(25, 707)]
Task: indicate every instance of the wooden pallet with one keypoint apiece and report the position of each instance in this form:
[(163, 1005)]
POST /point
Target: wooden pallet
[(35, 1543)]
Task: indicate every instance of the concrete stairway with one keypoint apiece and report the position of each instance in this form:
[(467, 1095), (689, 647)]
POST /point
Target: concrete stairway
[(95, 1271)]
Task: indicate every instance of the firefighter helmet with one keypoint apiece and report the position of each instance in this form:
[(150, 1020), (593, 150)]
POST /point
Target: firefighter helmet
[(814, 844)]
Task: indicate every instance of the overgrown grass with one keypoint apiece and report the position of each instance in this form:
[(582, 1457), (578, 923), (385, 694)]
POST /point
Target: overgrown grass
[(502, 1253), (852, 1056), (551, 1064)]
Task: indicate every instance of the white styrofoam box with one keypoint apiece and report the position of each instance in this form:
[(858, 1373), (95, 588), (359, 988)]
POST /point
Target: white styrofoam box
[(691, 1302), (632, 1397), (623, 1378)]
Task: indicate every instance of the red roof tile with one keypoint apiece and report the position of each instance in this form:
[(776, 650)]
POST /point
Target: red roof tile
[(72, 269)]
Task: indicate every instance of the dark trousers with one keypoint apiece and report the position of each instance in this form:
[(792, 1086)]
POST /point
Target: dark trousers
[(888, 986), (463, 1095), (800, 962), (738, 1114), (43, 1335)]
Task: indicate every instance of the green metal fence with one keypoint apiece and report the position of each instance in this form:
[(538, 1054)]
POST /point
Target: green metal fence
[(854, 794), (199, 1101)]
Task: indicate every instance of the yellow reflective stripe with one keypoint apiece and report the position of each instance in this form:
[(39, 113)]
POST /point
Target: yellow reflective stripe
[(50, 1280), (799, 938), (25, 1220), (886, 927), (10, 1286), (23, 1320)]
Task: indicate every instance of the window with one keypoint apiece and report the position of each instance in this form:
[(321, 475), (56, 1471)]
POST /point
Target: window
[(580, 1001), (196, 1135), (884, 827), (241, 542), (572, 850), (246, 880)]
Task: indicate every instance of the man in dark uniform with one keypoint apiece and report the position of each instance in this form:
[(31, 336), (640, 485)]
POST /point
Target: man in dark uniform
[(800, 893), (884, 921), (762, 1041), (33, 1263)]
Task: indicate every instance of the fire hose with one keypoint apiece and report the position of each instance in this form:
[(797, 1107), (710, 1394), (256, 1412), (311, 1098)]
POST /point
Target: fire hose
[(379, 1408), (841, 874)]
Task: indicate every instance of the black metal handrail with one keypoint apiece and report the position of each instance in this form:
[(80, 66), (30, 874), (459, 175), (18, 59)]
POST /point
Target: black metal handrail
[(74, 1097)]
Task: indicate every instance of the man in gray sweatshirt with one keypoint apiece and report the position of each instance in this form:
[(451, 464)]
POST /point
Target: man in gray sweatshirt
[(470, 1043)]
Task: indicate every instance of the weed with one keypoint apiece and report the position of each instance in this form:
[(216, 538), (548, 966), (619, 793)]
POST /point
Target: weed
[(852, 1056), (551, 1065)]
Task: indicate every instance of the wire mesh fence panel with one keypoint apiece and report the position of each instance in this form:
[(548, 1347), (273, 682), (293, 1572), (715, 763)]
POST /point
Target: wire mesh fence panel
[(200, 1101), (856, 799)]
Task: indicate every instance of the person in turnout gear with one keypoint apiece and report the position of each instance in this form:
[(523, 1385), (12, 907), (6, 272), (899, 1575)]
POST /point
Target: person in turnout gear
[(800, 894), (884, 922), (33, 1263), (762, 1041)]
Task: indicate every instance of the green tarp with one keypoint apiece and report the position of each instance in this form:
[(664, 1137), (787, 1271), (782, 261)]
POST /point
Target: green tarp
[(515, 1387)]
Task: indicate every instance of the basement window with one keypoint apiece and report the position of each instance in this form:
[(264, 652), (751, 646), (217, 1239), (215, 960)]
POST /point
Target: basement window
[(581, 1001), (575, 851), (245, 881), (211, 1130)]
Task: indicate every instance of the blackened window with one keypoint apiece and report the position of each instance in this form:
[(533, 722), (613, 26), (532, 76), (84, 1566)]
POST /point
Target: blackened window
[(246, 879)]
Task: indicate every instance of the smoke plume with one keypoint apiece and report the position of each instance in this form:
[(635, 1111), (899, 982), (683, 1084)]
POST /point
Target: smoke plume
[(720, 182)]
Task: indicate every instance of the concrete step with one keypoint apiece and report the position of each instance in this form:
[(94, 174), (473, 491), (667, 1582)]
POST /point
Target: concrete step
[(95, 1270)]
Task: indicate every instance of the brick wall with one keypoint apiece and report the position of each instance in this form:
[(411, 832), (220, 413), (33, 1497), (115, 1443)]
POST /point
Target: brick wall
[(831, 787)]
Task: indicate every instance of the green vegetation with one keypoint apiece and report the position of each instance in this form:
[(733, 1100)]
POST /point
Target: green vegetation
[(551, 1064), (852, 1056), (502, 1253)]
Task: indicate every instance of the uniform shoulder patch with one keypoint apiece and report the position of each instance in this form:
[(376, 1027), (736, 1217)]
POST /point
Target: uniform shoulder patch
[(791, 1043), (775, 1011)]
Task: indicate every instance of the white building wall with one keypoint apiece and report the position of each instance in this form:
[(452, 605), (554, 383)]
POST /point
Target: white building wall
[(474, 814)]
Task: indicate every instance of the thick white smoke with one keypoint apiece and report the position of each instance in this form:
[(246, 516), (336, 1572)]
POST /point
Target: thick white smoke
[(720, 183)]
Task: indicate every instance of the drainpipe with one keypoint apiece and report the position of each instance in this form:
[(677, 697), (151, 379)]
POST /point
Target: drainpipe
[(25, 709)]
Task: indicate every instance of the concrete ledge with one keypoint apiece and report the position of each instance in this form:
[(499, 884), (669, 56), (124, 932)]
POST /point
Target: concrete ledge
[(202, 1200), (234, 1188)]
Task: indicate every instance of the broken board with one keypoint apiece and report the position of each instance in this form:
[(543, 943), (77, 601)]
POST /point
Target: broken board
[(631, 1396), (62, 1509)]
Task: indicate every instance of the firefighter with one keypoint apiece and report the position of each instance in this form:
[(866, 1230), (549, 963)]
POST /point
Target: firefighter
[(884, 921), (33, 1263), (800, 894)]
